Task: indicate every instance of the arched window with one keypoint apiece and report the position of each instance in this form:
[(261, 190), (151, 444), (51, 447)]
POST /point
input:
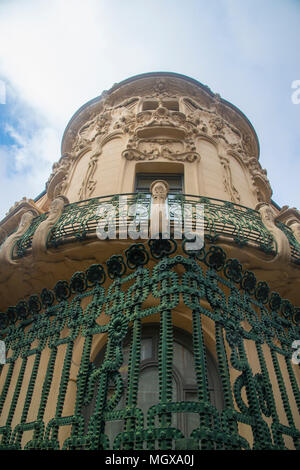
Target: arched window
[(183, 379)]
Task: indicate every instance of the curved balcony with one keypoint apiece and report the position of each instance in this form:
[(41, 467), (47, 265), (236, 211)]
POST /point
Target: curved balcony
[(222, 220)]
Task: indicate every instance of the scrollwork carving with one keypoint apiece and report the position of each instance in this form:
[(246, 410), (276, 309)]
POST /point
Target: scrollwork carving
[(259, 179), (57, 181), (6, 251), (39, 241), (88, 184), (268, 219), (169, 149), (96, 126)]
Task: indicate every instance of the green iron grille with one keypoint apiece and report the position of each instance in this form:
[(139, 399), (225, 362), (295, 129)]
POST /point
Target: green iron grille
[(221, 219), (111, 300)]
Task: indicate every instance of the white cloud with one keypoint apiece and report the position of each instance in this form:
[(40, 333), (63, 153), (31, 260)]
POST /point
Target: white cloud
[(44, 143), (49, 47), (26, 165), (58, 54)]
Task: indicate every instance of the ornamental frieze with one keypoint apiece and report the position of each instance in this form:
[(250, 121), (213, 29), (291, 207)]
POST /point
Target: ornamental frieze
[(152, 149)]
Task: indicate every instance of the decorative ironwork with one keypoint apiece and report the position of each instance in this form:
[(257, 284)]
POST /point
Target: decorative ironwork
[(24, 243), (221, 219), (42, 335), (294, 244)]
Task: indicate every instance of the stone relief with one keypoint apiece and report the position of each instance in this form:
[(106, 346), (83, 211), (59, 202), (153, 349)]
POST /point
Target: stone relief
[(126, 122), (24, 202), (97, 125), (227, 179), (88, 184), (6, 251), (152, 149), (159, 221), (268, 219), (151, 136), (159, 190), (295, 227), (291, 217), (259, 179), (39, 241), (57, 182), (169, 136)]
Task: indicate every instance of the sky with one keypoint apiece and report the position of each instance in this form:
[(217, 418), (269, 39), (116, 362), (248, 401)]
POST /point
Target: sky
[(55, 55)]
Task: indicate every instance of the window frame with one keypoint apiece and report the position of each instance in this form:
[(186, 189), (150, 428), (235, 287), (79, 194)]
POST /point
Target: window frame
[(183, 338), (159, 176)]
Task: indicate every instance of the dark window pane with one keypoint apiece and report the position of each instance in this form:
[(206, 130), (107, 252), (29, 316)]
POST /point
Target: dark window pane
[(144, 181)]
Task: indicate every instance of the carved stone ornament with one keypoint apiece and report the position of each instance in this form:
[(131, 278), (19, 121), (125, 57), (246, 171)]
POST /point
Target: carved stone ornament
[(97, 125), (291, 217), (260, 180), (25, 202), (39, 241), (268, 219), (159, 221), (162, 133), (126, 122), (295, 227), (169, 149), (57, 182), (159, 190), (6, 251), (227, 179), (88, 184)]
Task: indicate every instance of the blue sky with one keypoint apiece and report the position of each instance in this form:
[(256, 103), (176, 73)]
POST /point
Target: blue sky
[(55, 55)]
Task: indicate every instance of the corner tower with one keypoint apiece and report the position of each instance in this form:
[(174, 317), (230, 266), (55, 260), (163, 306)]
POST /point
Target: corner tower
[(144, 344)]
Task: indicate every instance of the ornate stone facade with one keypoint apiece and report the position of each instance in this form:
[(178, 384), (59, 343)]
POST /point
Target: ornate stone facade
[(86, 318), (167, 119)]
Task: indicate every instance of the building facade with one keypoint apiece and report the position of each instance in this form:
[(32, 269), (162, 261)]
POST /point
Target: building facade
[(125, 333)]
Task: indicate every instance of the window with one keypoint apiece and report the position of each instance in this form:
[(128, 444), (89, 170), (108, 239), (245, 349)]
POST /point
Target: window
[(172, 105), (183, 380), (144, 180), (149, 105), (152, 104)]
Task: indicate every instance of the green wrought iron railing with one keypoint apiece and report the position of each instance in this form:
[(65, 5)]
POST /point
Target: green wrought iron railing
[(253, 330), (221, 219), (294, 244), (238, 223)]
